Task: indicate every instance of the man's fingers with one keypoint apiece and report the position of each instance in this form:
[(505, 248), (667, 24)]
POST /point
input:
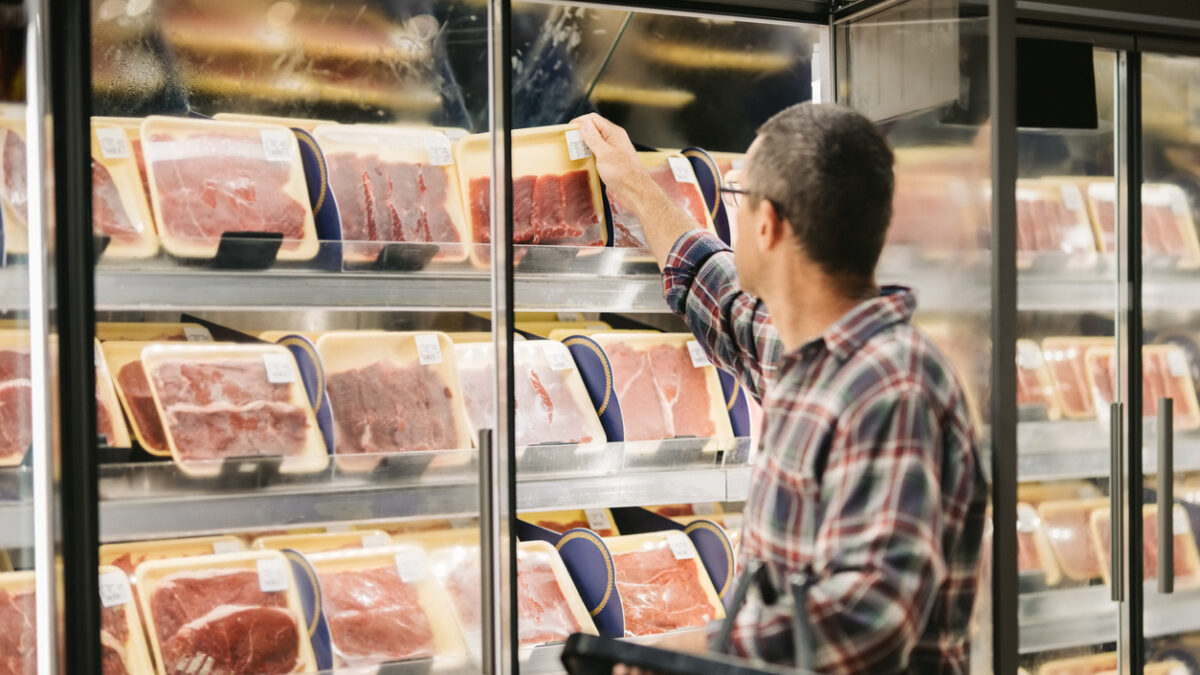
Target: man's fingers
[(590, 134)]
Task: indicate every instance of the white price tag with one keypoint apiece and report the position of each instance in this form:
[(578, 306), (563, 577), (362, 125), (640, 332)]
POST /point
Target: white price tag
[(597, 519), (699, 358), (558, 356), (429, 349), (576, 148), (1179, 525), (337, 528), (681, 546), (681, 168), (1072, 197), (1179, 205), (114, 589), (277, 144), (226, 546), (272, 575), (733, 522), (1029, 357), (1177, 363), (281, 368), (569, 316), (410, 563), (376, 540), (197, 334), (438, 148), (113, 144), (704, 509)]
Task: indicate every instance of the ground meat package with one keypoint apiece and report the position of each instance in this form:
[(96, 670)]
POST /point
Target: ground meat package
[(324, 541), (208, 178), (1167, 226), (1067, 525), (1186, 558), (1067, 367), (552, 404), (384, 605), (392, 392), (666, 387), (120, 208), (229, 401), (124, 361), (14, 192), (393, 184), (110, 422), (556, 188), (1035, 389), (1033, 550), (16, 397), (599, 521), (128, 555), (1165, 374), (1052, 218), (225, 614), (673, 173), (663, 584)]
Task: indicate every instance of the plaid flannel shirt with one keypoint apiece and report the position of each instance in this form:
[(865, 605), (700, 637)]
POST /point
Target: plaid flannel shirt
[(867, 478)]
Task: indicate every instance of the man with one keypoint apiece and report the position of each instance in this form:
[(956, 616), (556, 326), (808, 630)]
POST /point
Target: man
[(868, 478)]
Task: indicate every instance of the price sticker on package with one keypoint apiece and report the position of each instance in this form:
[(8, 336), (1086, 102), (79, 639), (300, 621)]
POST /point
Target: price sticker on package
[(438, 148), (429, 349), (272, 575), (226, 546), (681, 168), (681, 546), (281, 368), (1072, 197), (1029, 357), (576, 148), (114, 589), (410, 563), (558, 356), (597, 519), (277, 144), (704, 509), (196, 334), (113, 144), (1177, 363), (376, 540), (699, 358)]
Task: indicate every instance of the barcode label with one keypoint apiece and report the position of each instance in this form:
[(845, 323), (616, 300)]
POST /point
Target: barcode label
[(681, 546), (1029, 357), (733, 522), (438, 148), (376, 540), (598, 519), (272, 575), (429, 349), (226, 546), (113, 144), (410, 563), (699, 358), (576, 148), (114, 589), (281, 368), (681, 168), (1072, 198), (704, 509), (1177, 363), (277, 144), (196, 334), (558, 356)]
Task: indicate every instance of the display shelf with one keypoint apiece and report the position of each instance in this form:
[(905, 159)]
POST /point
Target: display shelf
[(1079, 449), (1080, 617)]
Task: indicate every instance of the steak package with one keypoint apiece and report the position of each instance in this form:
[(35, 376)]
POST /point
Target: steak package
[(120, 208), (208, 178), (599, 521), (324, 541), (1052, 217), (128, 555), (1033, 549), (552, 405), (1035, 389), (222, 401), (1167, 226), (1165, 374), (16, 397), (392, 392), (1067, 525), (665, 385), (1066, 364), (393, 184), (383, 605), (662, 583), (124, 361), (1186, 560), (110, 422), (14, 191), (673, 173), (225, 614)]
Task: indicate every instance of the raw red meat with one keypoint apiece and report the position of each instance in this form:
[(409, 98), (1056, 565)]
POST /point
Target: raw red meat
[(135, 386), (114, 632), (385, 201), (16, 192), (628, 228), (18, 633), (1183, 562), (547, 209), (1028, 559), (16, 403), (662, 394), (104, 423), (1161, 234), (224, 185), (388, 408), (126, 562), (1157, 382), (1067, 369), (673, 511), (108, 213), (1030, 389), (547, 411), (375, 617), (659, 593)]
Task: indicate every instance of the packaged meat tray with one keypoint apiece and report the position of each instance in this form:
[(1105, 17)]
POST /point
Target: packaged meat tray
[(662, 583), (1035, 389), (1165, 373), (666, 387), (224, 401), (552, 404), (673, 173), (124, 360), (1092, 664), (208, 178), (325, 541), (392, 392), (1186, 559), (1067, 525), (120, 208), (384, 605), (16, 397), (1033, 550), (1068, 370), (123, 649), (1052, 218), (1167, 226), (110, 422), (232, 613), (14, 191), (127, 556), (132, 127), (107, 331), (556, 188), (599, 521), (393, 184)]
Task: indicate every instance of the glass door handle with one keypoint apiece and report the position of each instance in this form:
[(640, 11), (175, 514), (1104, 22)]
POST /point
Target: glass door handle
[(1166, 496), (1116, 515)]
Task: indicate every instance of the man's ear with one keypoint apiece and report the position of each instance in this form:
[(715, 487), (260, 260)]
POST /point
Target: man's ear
[(772, 228)]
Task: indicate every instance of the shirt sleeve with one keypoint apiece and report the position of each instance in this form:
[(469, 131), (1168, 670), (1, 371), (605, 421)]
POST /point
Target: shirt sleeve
[(734, 328)]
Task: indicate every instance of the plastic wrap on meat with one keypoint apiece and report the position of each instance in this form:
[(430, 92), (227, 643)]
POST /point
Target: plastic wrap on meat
[(18, 633), (547, 411), (660, 593), (375, 617), (108, 212), (114, 633), (662, 394), (388, 408), (136, 388), (16, 401), (390, 201), (628, 228), (1184, 548), (1066, 525), (547, 209), (15, 189)]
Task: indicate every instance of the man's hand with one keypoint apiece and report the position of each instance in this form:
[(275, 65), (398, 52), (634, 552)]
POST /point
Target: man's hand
[(693, 642), (616, 159)]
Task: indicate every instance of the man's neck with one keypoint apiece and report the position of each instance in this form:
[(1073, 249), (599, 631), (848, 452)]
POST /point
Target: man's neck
[(806, 308)]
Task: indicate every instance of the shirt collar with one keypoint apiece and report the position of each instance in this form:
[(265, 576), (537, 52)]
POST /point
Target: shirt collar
[(893, 305)]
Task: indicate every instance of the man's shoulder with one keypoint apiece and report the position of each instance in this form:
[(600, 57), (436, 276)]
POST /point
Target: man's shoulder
[(904, 359)]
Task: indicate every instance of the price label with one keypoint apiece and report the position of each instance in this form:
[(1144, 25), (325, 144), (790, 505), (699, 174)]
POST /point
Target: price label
[(1072, 197), (438, 148), (337, 528), (598, 519), (281, 368), (699, 358), (1179, 526), (272, 575), (681, 546), (376, 540), (196, 334), (1177, 363), (704, 509), (113, 144), (410, 563), (681, 168), (429, 349), (226, 546), (733, 522), (1029, 357), (114, 589), (558, 356), (576, 148), (277, 144)]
